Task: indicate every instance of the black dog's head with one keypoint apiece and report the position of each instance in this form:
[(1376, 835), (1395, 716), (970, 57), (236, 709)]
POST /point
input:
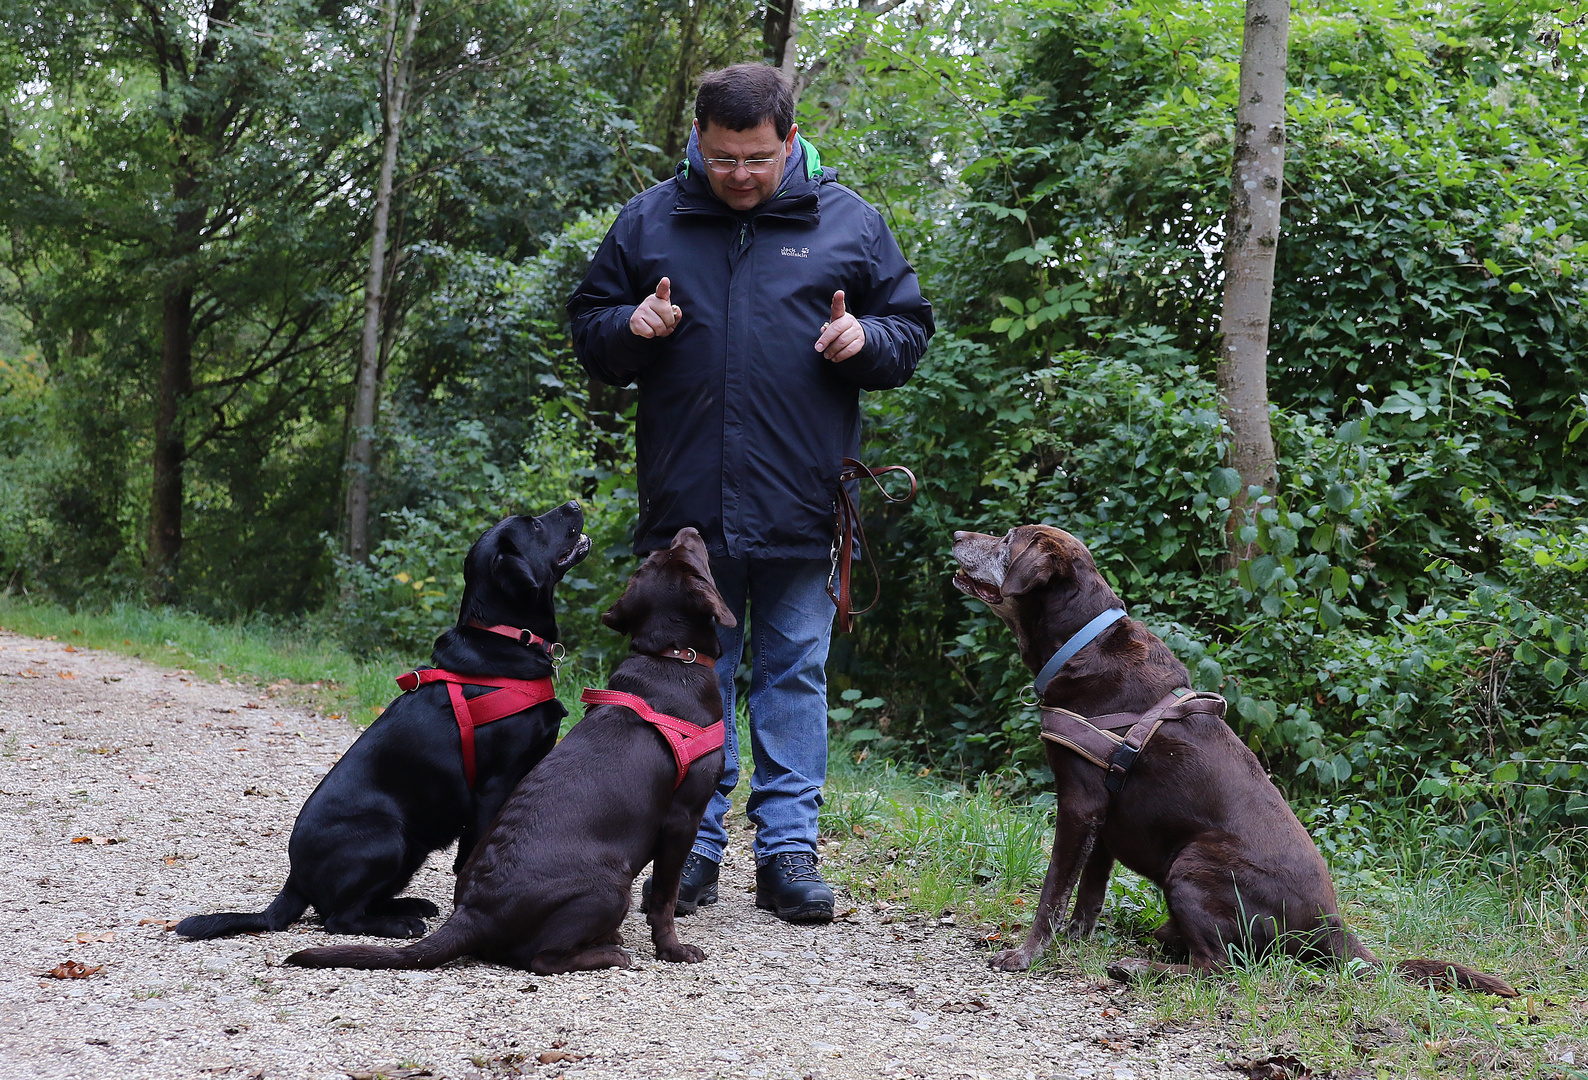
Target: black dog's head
[(509, 573), (1038, 579), (671, 601)]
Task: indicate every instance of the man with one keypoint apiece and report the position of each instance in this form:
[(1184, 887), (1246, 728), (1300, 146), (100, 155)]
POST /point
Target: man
[(752, 298)]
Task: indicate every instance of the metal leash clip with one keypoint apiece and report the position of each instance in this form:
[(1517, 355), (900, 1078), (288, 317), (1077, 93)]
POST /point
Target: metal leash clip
[(558, 654)]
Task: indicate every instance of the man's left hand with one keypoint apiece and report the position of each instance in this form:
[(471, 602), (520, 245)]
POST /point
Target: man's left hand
[(843, 337)]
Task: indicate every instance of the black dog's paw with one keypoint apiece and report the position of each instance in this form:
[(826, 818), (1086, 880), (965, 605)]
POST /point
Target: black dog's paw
[(407, 906), (682, 954)]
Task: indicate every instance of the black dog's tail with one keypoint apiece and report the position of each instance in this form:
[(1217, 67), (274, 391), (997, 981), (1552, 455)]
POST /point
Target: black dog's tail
[(455, 938), (1440, 974), (288, 906)]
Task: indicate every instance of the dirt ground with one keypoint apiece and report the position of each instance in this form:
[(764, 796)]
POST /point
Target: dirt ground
[(134, 795)]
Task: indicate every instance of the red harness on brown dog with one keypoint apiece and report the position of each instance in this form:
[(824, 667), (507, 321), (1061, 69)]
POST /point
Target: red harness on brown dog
[(689, 742), (511, 695)]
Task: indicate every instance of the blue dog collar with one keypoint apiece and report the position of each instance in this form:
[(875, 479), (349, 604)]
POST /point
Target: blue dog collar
[(1082, 638)]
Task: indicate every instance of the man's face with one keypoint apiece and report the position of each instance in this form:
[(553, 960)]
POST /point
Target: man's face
[(742, 189)]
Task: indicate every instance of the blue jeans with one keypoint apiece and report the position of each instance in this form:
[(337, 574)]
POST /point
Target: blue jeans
[(791, 626)]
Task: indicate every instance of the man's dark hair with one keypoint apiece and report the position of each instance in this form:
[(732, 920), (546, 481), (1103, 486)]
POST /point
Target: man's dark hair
[(746, 96)]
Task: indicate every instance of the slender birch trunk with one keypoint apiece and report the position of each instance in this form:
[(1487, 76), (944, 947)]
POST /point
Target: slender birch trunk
[(1250, 241), (394, 71)]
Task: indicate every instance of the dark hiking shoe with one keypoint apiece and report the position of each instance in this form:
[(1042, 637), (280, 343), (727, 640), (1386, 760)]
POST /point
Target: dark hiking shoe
[(696, 888), (788, 885)]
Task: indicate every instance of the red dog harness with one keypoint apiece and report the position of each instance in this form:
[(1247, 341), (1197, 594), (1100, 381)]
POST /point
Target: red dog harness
[(511, 695), (689, 742)]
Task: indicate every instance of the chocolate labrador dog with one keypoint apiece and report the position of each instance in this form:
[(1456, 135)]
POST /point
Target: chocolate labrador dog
[(416, 780), (1194, 812), (548, 886)]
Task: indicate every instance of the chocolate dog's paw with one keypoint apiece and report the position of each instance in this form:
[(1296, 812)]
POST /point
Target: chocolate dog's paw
[(682, 954), (1130, 970), (1010, 960)]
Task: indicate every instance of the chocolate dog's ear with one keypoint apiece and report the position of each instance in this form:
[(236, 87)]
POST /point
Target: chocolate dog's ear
[(715, 603), (1032, 563), (616, 617)]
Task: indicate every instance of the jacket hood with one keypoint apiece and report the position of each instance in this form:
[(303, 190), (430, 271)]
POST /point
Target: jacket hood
[(803, 174)]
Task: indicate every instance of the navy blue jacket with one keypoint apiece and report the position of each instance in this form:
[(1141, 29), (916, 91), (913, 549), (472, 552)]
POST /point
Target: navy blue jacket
[(742, 425)]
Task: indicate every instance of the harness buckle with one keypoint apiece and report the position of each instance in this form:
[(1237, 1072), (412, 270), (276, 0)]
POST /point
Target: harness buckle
[(1119, 765)]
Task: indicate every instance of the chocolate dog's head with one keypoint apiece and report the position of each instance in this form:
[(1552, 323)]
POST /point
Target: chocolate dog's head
[(509, 573), (1038, 579), (671, 600)]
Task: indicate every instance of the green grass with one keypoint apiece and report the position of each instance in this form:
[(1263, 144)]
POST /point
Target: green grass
[(301, 665), (929, 848)]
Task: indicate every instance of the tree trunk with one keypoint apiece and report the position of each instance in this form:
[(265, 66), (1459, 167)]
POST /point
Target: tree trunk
[(778, 32), (1251, 237), (170, 444), (361, 447)]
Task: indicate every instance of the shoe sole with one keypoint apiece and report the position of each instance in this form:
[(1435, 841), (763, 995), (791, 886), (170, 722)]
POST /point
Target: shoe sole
[(817, 911), (708, 896)]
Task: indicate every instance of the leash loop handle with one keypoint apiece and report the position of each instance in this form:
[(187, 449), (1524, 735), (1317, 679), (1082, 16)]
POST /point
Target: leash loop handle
[(847, 528)]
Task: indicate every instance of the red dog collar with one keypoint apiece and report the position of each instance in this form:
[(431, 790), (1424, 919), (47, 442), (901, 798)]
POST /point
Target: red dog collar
[(525, 638), (511, 696), (689, 742)]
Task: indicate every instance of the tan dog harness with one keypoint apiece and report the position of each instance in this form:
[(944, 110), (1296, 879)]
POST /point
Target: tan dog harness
[(1097, 740)]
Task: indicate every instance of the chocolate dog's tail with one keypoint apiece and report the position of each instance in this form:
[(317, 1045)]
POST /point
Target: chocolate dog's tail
[(1440, 974), (454, 938), (288, 906)]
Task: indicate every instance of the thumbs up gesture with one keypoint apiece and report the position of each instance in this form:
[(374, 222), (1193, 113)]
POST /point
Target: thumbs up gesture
[(842, 336), (656, 315)]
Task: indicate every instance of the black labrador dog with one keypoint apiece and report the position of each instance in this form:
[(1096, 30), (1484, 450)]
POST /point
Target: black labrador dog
[(1195, 813), (402, 790), (549, 885)]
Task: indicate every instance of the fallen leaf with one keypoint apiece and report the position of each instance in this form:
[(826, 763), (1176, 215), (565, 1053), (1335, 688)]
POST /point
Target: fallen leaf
[(164, 924), (88, 937), (67, 675), (141, 778), (551, 1057), (388, 1072), (71, 648), (97, 841), (253, 705), (71, 969), (171, 860), (964, 1007)]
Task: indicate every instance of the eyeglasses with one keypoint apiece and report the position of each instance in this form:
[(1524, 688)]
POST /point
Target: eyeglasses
[(723, 166)]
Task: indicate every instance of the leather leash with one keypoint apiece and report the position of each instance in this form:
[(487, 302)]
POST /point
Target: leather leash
[(847, 527)]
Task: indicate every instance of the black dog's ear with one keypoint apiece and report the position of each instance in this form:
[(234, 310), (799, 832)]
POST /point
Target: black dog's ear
[(511, 571), (1033, 560), (715, 603)]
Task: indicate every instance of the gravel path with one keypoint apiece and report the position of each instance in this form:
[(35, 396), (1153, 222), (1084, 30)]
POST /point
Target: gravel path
[(186, 791)]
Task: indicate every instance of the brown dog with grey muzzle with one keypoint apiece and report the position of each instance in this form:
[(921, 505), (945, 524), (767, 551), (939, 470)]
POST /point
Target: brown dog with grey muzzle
[(1191, 810)]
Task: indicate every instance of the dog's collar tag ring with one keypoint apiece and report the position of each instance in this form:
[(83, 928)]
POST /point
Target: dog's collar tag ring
[(1081, 639)]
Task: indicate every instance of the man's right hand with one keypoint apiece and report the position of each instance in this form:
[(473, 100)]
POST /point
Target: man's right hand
[(657, 315)]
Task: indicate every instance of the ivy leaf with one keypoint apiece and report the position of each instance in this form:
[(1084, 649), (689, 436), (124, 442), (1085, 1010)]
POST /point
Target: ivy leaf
[(1223, 483)]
